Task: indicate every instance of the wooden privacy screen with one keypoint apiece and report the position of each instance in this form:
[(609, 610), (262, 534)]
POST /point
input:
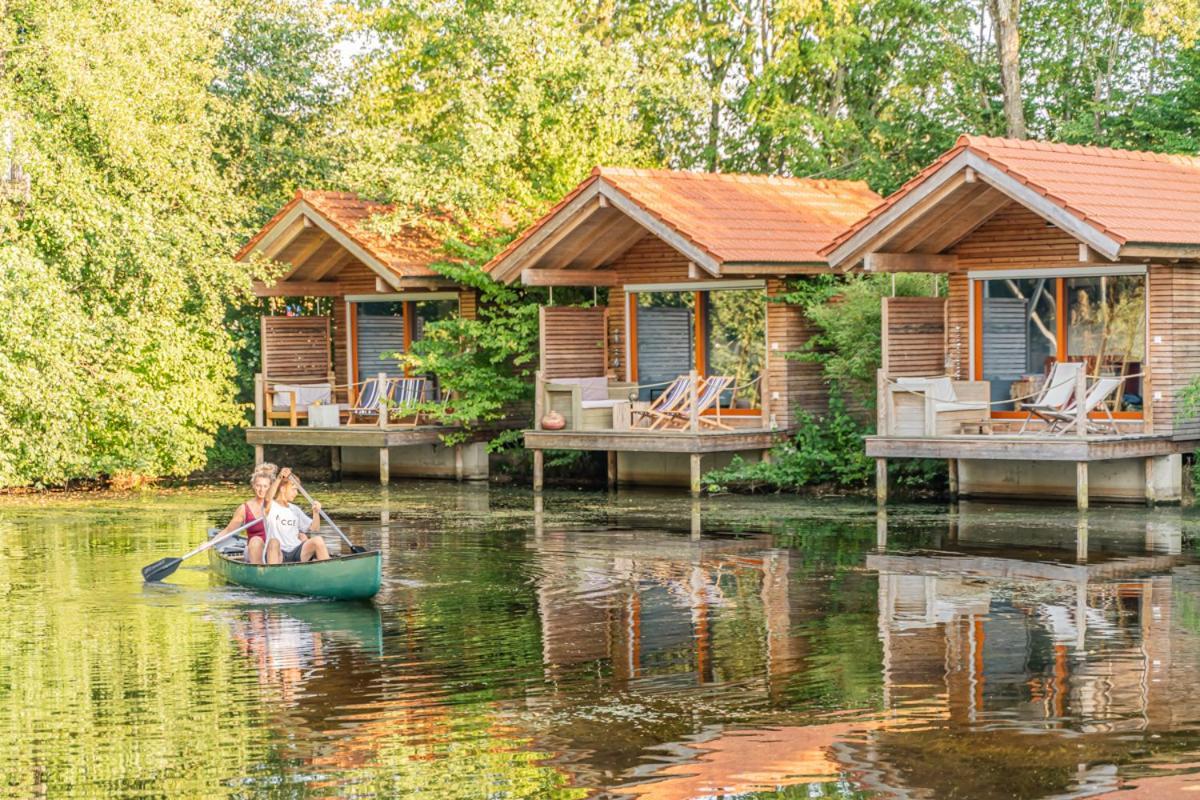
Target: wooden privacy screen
[(296, 349), (572, 342), (914, 336)]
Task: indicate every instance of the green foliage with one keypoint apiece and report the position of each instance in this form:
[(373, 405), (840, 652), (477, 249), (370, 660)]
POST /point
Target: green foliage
[(116, 271), (826, 449), (848, 315)]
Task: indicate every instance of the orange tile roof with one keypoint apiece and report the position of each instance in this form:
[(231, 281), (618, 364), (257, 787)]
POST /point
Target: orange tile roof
[(407, 255), (734, 218), (1126, 195)]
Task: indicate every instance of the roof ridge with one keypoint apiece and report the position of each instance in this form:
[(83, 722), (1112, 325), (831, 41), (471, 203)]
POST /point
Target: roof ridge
[(983, 142), (742, 177)]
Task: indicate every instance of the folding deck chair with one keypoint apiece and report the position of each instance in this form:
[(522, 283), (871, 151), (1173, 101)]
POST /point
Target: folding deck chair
[(406, 395), (1097, 397), (1056, 393), (708, 396), (671, 398), (370, 400)]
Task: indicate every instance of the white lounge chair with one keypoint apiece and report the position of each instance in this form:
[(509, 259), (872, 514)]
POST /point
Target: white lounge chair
[(944, 411), (1056, 393), (1097, 397)]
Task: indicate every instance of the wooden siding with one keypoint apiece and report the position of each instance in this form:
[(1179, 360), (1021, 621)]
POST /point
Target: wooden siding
[(914, 336), (572, 342), (651, 260), (468, 303), (1015, 238), (295, 349), (800, 384), (1174, 312)]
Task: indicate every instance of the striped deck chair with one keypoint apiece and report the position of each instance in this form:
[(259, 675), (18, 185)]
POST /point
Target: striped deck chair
[(708, 397), (1097, 397), (406, 394), (365, 409), (670, 400)]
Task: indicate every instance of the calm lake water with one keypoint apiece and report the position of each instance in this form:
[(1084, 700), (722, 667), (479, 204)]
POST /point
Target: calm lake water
[(635, 645)]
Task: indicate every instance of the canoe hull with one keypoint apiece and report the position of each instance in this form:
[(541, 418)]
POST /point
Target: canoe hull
[(350, 577)]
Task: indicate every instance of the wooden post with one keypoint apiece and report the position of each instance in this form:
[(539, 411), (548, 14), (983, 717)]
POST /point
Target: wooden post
[(881, 482), (881, 527), (697, 526), (882, 424), (1081, 539), (693, 412), (612, 469), (538, 400), (695, 474), (258, 455), (335, 462), (259, 400), (952, 473), (1081, 485), (539, 464), (1151, 493), (385, 469), (384, 409), (458, 463), (1081, 403)]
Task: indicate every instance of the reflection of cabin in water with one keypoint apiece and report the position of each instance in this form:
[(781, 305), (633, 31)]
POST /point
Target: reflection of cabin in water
[(379, 293), (1073, 274), (681, 363)]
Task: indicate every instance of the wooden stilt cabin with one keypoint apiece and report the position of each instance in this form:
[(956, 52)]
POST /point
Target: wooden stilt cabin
[(377, 294), (1054, 367), (679, 362)]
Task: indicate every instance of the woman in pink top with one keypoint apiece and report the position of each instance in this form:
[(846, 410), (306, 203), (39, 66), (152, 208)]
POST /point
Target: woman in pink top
[(255, 509)]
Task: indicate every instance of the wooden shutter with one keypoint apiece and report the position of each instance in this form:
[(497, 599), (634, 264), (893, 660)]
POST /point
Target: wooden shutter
[(296, 349), (378, 338), (666, 346), (573, 343), (914, 336), (1005, 338)]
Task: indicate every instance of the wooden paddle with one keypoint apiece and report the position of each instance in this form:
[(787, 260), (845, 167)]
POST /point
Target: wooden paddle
[(353, 547), (165, 566)]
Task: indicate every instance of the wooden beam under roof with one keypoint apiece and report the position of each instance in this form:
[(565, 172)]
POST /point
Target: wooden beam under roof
[(608, 251), (565, 254), (909, 262), (325, 263), (974, 213), (930, 216), (569, 277), (298, 289), (283, 237), (301, 252)]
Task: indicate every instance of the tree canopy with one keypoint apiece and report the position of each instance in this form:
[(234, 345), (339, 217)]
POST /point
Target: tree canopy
[(141, 142)]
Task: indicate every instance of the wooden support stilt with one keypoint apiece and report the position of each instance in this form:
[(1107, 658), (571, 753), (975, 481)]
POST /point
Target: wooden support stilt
[(881, 481), (881, 527), (695, 474), (1151, 493), (1081, 485), (612, 469), (258, 455), (697, 527), (952, 473), (335, 462), (385, 469), (539, 464), (458, 463)]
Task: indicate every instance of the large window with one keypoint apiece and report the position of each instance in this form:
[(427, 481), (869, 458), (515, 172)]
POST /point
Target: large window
[(1025, 325), (384, 329), (715, 332)]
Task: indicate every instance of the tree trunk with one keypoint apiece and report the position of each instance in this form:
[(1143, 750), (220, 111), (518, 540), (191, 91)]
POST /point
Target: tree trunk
[(1005, 21)]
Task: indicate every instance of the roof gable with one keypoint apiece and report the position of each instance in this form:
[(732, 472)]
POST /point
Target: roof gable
[(1104, 198), (345, 218), (712, 219)]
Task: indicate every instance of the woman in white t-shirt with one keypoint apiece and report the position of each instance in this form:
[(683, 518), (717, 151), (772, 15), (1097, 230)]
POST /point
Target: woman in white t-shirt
[(289, 530)]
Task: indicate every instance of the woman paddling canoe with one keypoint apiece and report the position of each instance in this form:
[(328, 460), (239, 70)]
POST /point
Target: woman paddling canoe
[(254, 510), (289, 529)]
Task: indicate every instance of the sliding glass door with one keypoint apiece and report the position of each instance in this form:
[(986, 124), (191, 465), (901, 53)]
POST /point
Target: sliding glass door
[(1026, 324), (715, 332)]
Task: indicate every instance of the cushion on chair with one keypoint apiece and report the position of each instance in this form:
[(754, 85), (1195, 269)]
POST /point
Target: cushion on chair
[(307, 394), (586, 404), (590, 389)]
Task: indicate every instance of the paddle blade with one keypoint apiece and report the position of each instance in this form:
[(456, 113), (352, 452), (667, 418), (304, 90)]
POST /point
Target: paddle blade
[(160, 569), (356, 549)]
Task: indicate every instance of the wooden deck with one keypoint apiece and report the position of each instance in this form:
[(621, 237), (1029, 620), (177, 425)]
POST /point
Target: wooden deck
[(347, 436), (1026, 447), (654, 441)]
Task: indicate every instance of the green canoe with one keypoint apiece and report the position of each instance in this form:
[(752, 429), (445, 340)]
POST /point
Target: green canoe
[(353, 576)]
